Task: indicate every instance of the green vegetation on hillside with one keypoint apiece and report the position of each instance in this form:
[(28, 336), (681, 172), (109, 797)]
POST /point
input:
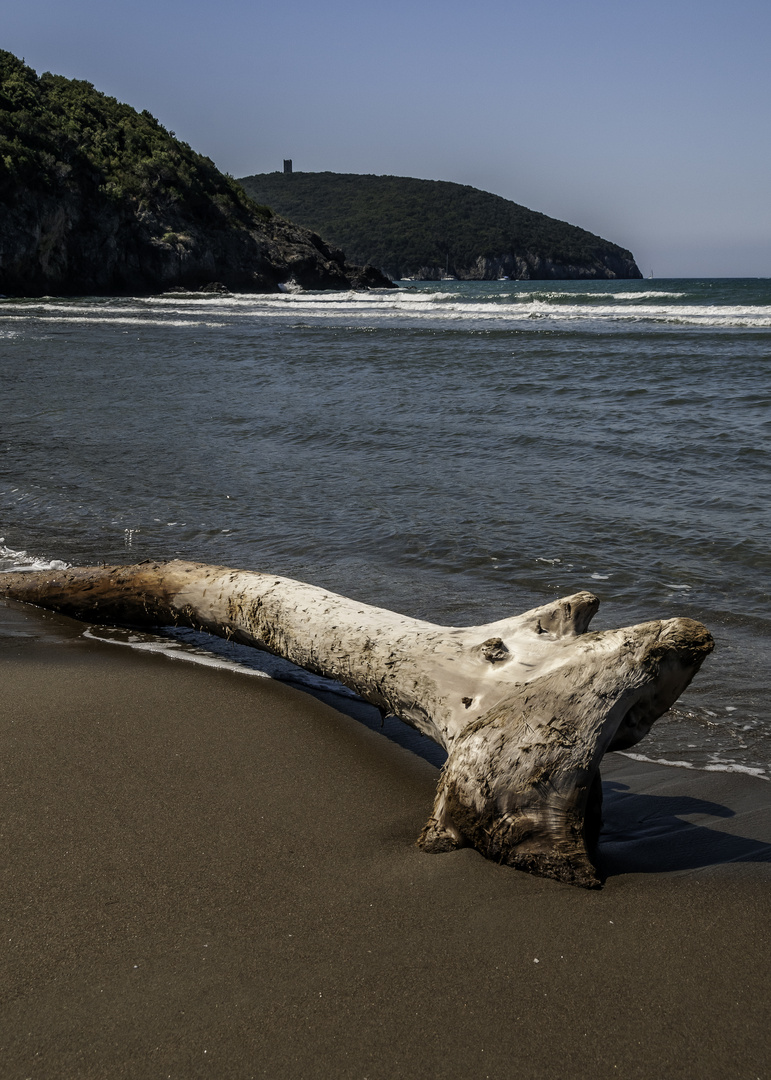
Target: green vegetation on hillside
[(99, 198), (56, 131), (405, 226)]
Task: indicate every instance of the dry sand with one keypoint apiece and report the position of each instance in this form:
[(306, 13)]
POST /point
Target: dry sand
[(211, 875)]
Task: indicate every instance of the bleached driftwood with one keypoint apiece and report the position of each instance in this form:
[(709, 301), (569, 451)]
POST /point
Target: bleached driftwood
[(525, 707)]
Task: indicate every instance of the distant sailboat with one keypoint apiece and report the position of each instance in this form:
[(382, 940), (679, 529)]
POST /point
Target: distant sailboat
[(650, 276)]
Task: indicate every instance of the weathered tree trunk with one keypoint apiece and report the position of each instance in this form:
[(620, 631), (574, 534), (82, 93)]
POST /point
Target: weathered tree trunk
[(525, 707)]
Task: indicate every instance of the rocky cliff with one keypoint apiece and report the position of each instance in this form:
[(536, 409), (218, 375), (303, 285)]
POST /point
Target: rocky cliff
[(531, 266), (96, 198)]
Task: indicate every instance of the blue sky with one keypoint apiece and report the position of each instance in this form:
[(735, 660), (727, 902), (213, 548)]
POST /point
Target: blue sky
[(648, 123)]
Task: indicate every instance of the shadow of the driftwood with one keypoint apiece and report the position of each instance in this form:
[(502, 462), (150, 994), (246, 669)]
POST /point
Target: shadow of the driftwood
[(651, 834), (640, 833)]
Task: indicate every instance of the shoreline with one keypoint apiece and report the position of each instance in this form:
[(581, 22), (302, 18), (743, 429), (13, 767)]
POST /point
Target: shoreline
[(207, 875)]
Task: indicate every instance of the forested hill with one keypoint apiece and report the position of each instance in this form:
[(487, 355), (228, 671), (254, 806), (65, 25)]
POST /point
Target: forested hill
[(432, 229), (98, 198)]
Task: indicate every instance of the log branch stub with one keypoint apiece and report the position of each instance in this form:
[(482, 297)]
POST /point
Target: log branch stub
[(526, 707)]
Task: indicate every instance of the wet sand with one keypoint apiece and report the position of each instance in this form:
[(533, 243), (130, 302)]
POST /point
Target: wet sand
[(207, 874)]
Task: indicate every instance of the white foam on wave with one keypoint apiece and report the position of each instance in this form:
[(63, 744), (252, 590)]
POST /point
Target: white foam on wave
[(722, 766), (694, 315), (489, 313), (554, 294), (125, 320), (356, 301), (60, 307), (650, 295), (733, 767), (498, 310), (22, 560)]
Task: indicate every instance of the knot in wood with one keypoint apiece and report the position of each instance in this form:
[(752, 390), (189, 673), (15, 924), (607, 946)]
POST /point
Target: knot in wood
[(494, 650)]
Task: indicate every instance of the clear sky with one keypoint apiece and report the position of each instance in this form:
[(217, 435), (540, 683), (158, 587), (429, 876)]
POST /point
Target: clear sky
[(647, 122)]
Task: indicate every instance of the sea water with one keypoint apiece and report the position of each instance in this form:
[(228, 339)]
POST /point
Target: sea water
[(454, 451)]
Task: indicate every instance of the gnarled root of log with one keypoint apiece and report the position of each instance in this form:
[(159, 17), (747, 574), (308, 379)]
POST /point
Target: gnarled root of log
[(526, 707)]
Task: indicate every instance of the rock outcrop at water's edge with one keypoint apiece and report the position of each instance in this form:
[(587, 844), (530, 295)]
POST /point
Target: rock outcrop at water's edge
[(100, 199), (532, 266)]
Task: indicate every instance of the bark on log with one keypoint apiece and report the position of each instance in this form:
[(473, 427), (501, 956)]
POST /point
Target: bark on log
[(525, 707)]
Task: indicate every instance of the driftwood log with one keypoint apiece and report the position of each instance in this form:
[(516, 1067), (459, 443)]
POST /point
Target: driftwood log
[(525, 707)]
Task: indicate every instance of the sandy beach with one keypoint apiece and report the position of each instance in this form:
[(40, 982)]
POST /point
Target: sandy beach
[(209, 874)]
